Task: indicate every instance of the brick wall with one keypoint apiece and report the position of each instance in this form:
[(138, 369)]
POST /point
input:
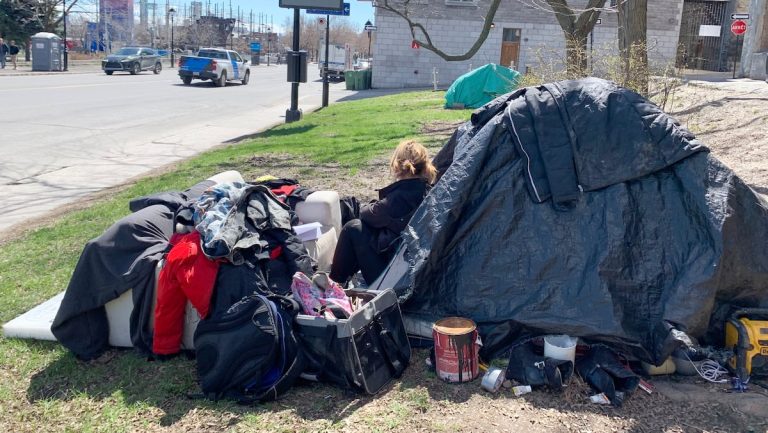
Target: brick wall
[(454, 29)]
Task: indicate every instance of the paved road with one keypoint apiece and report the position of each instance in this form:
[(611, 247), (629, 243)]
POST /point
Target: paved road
[(64, 136)]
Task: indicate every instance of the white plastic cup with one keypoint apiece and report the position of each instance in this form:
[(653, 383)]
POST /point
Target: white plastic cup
[(560, 347)]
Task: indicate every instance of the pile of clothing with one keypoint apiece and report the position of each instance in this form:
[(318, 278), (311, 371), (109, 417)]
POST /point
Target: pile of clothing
[(219, 242)]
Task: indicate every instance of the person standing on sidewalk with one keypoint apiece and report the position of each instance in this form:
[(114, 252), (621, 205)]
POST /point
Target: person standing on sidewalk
[(14, 50), (3, 52)]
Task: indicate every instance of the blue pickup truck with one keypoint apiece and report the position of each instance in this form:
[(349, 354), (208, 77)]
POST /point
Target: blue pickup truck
[(215, 64)]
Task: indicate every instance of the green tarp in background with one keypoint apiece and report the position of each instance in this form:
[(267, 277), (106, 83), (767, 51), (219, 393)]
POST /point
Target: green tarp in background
[(476, 88)]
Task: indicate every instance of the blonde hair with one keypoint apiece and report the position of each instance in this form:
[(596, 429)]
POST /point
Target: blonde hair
[(410, 159)]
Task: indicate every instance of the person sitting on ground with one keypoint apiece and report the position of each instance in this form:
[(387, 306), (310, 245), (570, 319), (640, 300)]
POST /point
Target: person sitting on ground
[(368, 244)]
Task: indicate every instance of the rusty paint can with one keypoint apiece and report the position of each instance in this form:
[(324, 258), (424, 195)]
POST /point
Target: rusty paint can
[(456, 349)]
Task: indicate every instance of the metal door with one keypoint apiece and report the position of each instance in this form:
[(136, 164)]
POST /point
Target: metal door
[(711, 53), (510, 48)]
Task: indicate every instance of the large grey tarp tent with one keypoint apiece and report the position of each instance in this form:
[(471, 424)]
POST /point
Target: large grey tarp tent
[(581, 208)]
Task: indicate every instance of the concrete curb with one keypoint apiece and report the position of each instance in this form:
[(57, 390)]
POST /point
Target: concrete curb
[(76, 67)]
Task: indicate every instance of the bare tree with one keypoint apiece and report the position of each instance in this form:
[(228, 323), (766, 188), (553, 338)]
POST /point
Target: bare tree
[(576, 27), (419, 33), (49, 13)]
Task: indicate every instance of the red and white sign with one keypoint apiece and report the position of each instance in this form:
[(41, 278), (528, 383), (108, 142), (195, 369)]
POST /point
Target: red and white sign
[(738, 27), (414, 45)]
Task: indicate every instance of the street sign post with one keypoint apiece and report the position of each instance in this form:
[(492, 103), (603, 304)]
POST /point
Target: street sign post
[(335, 5), (738, 27), (343, 12)]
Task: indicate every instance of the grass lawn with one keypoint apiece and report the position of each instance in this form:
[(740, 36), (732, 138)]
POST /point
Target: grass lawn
[(42, 386)]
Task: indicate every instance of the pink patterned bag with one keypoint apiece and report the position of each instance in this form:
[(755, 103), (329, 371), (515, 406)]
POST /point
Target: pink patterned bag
[(318, 295)]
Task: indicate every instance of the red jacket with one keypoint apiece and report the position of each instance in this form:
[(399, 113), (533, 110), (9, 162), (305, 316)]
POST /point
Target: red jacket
[(187, 275)]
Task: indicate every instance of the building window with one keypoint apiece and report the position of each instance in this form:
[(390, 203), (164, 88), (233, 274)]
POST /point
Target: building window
[(511, 35)]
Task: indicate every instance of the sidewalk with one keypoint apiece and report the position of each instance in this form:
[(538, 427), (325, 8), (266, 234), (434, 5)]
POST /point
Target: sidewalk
[(723, 80), (73, 67)]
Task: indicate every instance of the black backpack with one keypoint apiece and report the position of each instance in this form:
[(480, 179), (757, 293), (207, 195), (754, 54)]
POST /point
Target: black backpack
[(249, 352)]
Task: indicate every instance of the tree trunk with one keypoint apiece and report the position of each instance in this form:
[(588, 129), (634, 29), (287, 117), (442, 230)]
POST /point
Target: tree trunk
[(633, 44), (576, 28)]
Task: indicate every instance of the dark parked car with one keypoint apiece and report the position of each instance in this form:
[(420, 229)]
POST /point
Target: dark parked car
[(133, 60)]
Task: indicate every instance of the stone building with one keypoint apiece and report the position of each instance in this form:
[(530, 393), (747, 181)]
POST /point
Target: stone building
[(754, 55), (692, 34), (525, 33)]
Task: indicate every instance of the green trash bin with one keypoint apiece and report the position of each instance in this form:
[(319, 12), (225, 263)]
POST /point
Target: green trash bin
[(368, 78), (349, 79)]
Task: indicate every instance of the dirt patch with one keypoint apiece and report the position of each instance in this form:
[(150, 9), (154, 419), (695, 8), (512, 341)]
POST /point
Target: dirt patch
[(732, 121)]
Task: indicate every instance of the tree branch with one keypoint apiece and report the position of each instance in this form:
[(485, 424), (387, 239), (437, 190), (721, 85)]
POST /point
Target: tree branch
[(426, 40), (588, 19), (564, 14)]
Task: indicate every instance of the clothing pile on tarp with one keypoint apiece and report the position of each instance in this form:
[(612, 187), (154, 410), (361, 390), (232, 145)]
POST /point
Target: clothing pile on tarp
[(478, 87), (580, 208)]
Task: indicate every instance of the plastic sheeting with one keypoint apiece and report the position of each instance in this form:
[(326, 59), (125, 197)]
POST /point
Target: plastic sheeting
[(478, 87), (629, 264)]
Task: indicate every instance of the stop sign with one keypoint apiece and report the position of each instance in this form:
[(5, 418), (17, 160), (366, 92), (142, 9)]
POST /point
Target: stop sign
[(738, 27)]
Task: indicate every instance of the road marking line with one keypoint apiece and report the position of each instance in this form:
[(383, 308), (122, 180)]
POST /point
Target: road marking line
[(71, 86)]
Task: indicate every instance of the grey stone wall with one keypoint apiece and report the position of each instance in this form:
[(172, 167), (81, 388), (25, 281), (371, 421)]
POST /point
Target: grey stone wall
[(754, 53), (455, 28)]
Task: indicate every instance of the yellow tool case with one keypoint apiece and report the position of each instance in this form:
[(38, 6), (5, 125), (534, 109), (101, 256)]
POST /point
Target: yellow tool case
[(746, 332)]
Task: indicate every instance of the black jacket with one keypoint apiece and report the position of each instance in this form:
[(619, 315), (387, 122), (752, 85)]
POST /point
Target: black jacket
[(392, 211), (579, 136)]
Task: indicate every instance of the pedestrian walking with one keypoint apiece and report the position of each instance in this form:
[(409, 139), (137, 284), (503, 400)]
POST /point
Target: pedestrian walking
[(3, 52), (14, 50)]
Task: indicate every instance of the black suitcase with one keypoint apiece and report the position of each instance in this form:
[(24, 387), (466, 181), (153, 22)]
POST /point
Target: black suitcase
[(363, 352)]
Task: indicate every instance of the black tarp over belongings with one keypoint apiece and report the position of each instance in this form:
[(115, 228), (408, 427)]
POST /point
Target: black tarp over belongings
[(581, 208)]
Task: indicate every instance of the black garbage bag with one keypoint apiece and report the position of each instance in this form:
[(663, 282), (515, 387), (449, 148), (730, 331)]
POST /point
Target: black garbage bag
[(528, 368), (603, 371)]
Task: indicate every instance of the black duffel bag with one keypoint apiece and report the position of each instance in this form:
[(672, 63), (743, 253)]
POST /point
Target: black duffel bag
[(249, 352)]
